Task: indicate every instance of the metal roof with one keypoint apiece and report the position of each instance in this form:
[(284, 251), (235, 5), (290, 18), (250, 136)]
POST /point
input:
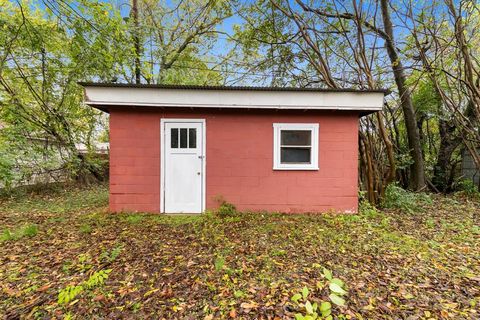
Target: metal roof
[(105, 96), (234, 88)]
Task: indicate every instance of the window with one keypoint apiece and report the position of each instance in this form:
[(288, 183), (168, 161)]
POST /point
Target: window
[(180, 136), (295, 146)]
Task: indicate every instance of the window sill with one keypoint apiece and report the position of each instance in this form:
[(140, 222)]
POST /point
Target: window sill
[(296, 168)]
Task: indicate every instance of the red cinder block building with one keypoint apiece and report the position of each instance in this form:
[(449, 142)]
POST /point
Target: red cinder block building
[(179, 149)]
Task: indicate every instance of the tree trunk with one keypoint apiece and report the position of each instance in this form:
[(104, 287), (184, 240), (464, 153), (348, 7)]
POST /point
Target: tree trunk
[(417, 169), (136, 41), (370, 183), (448, 144), (389, 150)]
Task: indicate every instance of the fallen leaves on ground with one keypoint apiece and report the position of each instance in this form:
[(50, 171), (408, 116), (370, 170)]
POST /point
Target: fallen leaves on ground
[(245, 266)]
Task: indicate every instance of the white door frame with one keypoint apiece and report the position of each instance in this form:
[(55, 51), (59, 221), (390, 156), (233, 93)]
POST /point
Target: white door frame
[(162, 158)]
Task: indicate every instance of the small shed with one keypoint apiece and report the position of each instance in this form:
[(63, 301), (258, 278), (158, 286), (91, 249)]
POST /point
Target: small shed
[(184, 149)]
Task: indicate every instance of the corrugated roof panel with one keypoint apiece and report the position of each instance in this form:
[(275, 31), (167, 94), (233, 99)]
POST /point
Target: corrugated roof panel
[(241, 88)]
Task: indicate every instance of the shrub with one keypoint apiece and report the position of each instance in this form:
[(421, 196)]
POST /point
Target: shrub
[(468, 187), (407, 201), (367, 209), (226, 209)]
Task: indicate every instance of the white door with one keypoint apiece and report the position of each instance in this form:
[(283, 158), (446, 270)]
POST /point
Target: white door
[(183, 166)]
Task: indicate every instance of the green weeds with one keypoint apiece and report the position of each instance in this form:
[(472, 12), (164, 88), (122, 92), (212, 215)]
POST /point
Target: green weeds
[(313, 310), (86, 228), (408, 202), (134, 218), (71, 292), (109, 256), (28, 231), (226, 209), (469, 189)]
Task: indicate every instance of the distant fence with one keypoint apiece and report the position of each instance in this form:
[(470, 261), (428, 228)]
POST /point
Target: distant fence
[(27, 171), (469, 169)]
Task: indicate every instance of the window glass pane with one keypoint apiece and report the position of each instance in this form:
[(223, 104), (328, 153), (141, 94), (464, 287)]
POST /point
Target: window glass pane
[(174, 138), (183, 137), (192, 138), (296, 137), (295, 155)]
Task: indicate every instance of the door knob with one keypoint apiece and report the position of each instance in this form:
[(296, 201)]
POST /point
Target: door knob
[(198, 173)]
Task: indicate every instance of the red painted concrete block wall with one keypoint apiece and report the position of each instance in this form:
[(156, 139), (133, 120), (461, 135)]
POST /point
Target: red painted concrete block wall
[(239, 160)]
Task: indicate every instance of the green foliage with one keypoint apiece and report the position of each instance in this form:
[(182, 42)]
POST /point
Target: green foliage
[(409, 202), (219, 263), (336, 287), (46, 50), (112, 255), (186, 40), (327, 274), (28, 231), (221, 267), (468, 187), (55, 198), (85, 228), (368, 210), (82, 264), (320, 309), (97, 279), (7, 235), (134, 218), (425, 98), (238, 294), (43, 56), (226, 209), (177, 220), (69, 293), (7, 166)]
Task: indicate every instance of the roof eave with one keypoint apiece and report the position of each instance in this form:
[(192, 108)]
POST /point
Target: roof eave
[(106, 107), (104, 97)]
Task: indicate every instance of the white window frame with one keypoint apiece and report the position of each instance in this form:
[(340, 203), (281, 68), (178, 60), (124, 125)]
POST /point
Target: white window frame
[(277, 128)]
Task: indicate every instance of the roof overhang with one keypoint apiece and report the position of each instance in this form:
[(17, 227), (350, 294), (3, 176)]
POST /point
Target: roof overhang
[(106, 96)]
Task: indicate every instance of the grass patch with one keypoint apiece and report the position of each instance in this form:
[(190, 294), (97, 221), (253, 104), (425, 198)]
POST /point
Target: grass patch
[(56, 199), (28, 231), (86, 228), (177, 220), (134, 218)]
